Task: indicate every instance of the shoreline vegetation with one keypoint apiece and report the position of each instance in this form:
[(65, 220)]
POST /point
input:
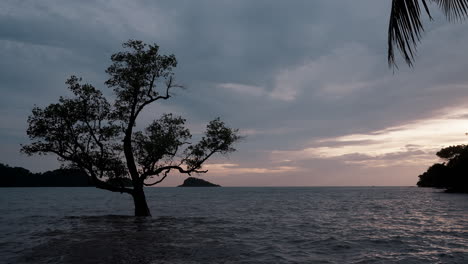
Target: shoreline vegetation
[(452, 174), (21, 177)]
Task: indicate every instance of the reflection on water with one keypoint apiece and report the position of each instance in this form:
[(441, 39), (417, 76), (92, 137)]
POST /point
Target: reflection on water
[(235, 225), (125, 239)]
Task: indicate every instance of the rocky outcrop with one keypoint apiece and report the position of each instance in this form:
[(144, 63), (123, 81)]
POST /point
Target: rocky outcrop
[(195, 182)]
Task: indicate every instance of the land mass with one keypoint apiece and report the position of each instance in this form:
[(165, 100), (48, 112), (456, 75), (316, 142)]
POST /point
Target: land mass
[(195, 182), (21, 177), (451, 175)]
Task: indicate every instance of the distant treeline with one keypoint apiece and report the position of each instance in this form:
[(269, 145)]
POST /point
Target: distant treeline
[(452, 174), (21, 177)]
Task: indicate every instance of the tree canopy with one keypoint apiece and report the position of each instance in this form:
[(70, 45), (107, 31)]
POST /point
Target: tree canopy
[(452, 174)]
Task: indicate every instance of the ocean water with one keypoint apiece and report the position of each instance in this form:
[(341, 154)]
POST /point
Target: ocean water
[(235, 225)]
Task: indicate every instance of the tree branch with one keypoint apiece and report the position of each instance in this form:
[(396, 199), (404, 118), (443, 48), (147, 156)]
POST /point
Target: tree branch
[(106, 186), (158, 181), (97, 182), (169, 85), (180, 169)]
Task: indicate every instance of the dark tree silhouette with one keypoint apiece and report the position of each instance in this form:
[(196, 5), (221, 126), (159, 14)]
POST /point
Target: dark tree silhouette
[(88, 132), (405, 26), (452, 174)]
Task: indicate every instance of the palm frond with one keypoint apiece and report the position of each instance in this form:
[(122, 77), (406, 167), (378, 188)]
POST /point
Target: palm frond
[(453, 9), (405, 28)]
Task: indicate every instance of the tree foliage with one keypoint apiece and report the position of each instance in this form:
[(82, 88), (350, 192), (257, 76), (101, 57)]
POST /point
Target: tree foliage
[(80, 131), (135, 74), (452, 174), (451, 153)]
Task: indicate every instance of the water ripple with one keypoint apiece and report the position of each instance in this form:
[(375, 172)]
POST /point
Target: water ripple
[(235, 225)]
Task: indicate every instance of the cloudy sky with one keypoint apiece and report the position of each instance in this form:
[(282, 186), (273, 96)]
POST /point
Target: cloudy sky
[(306, 81)]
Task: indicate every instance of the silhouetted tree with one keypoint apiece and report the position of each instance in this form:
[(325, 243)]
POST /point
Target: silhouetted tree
[(88, 132), (452, 174), (452, 152), (405, 26), (436, 176)]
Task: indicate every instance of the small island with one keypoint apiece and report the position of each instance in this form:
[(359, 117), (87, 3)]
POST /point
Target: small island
[(195, 182)]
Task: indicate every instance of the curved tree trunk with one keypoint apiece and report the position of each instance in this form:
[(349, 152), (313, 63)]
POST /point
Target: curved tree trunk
[(141, 207)]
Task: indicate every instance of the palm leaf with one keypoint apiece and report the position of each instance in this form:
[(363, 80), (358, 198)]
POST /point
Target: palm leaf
[(453, 9), (405, 26)]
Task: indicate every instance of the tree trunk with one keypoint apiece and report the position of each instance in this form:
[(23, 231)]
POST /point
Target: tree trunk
[(141, 207)]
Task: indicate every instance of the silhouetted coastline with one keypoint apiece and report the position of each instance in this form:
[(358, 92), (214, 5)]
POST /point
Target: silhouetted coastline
[(451, 175), (21, 177)]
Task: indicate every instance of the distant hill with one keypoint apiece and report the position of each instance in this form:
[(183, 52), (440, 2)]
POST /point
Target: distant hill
[(21, 177), (196, 182)]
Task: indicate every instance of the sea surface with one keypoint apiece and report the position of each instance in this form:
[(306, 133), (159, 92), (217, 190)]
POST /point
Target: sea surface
[(235, 225)]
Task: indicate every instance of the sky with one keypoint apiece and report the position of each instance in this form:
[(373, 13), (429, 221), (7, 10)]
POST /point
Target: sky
[(307, 82)]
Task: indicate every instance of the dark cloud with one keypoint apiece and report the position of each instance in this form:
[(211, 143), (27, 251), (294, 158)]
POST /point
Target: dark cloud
[(286, 73)]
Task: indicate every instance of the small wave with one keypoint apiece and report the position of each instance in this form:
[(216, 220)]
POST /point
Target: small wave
[(299, 226)]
